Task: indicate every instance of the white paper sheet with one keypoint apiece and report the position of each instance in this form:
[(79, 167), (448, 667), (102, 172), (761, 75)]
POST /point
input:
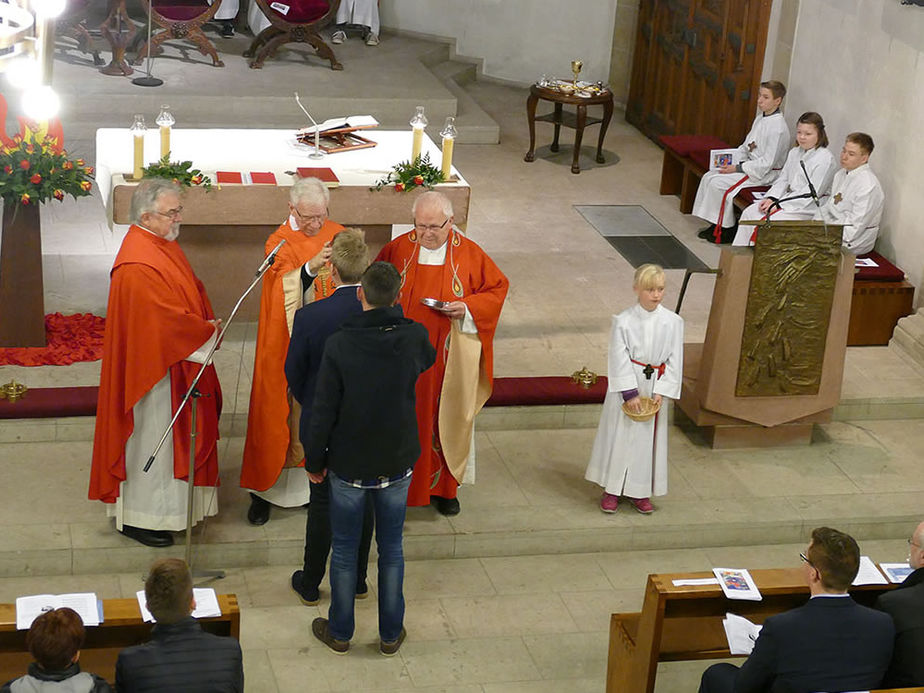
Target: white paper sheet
[(206, 604), (696, 581), (869, 574), (30, 607), (741, 634)]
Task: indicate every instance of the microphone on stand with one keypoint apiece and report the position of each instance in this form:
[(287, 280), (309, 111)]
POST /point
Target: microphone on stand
[(270, 259), (317, 131), (811, 187)]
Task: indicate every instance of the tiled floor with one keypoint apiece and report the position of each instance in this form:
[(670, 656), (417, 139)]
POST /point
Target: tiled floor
[(513, 594)]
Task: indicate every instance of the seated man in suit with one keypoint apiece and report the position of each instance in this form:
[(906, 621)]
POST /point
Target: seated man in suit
[(905, 604), (829, 644), (181, 657)]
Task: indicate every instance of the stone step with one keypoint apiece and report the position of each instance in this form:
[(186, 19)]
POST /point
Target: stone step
[(909, 336)]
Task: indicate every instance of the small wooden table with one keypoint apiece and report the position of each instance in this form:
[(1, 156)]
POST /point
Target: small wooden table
[(577, 121)]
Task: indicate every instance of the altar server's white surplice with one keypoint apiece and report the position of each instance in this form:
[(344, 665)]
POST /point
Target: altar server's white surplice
[(763, 153), (364, 12), (820, 166), (856, 201), (629, 457)]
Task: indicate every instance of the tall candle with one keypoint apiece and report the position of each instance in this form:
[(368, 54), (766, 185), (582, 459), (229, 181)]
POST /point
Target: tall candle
[(418, 143), (164, 141), (446, 168), (139, 156)]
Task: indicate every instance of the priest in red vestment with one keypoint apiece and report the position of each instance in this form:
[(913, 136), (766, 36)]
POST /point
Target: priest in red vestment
[(437, 262), (159, 328), (273, 464)]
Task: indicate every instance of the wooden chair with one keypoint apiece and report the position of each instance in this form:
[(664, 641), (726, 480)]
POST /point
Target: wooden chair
[(299, 25), (180, 19), (73, 24)]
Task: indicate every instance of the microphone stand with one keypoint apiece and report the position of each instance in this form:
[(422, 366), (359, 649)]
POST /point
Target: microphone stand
[(148, 80), (193, 394), (317, 131)]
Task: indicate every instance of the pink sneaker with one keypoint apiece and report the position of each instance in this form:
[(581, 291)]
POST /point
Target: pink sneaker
[(609, 503), (643, 505)]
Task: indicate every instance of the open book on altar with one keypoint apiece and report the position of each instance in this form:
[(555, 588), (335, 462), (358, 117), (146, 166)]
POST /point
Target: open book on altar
[(339, 134), (355, 122)]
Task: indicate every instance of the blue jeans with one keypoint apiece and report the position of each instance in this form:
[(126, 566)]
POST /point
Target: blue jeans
[(346, 518)]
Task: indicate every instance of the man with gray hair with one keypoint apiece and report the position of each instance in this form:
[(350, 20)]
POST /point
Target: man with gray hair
[(450, 285), (300, 275), (159, 329)]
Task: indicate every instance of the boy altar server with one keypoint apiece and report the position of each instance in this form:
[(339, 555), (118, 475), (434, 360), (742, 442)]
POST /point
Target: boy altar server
[(856, 196), (629, 458), (763, 153)]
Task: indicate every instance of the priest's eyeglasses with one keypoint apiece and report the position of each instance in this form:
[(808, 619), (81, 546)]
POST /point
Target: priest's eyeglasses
[(430, 227), (311, 218), (171, 213)]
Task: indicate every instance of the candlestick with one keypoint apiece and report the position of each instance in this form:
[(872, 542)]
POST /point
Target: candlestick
[(448, 133), (418, 122), (138, 129), (166, 121)]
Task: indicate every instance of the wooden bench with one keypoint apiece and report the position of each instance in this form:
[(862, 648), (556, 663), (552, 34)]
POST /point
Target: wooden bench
[(685, 623), (121, 627), (881, 297)]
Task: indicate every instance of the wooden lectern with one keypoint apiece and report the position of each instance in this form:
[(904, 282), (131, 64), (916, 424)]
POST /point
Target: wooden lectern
[(772, 362)]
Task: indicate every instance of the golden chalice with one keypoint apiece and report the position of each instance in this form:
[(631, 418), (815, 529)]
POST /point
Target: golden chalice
[(576, 66)]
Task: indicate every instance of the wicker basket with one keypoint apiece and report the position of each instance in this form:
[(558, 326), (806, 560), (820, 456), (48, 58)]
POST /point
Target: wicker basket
[(649, 409)]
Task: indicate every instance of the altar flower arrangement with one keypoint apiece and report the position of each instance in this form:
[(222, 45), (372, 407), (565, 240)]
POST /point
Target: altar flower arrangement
[(36, 169), (407, 175), (180, 172)]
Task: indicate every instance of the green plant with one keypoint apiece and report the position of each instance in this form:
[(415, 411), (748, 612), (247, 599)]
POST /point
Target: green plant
[(180, 172), (407, 175), (37, 170)]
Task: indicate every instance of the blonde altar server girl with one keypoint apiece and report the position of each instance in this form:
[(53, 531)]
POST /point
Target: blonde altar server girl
[(629, 457), (811, 151), (762, 155)]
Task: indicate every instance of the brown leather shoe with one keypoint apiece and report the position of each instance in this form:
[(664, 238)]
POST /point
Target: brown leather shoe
[(390, 649), (321, 629)]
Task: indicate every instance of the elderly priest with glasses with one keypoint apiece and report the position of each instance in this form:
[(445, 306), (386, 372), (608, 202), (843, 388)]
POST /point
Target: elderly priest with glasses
[(450, 285), (273, 464), (159, 330)]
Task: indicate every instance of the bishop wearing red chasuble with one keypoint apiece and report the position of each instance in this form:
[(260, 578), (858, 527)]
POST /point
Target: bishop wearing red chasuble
[(273, 464), (159, 328), (437, 262)]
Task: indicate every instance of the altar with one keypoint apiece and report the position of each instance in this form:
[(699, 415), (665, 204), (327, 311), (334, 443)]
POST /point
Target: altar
[(224, 229)]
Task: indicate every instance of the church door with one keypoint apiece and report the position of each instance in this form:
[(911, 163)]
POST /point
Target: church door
[(697, 67)]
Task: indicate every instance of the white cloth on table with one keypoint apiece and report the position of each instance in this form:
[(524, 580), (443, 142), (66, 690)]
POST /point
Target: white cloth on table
[(156, 499), (820, 165), (856, 201), (630, 457), (228, 9), (362, 12), (763, 153)]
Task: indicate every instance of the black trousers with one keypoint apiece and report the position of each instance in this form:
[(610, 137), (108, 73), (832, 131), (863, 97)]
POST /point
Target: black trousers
[(318, 536)]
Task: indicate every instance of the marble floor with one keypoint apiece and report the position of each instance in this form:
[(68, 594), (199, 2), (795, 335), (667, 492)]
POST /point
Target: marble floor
[(515, 593)]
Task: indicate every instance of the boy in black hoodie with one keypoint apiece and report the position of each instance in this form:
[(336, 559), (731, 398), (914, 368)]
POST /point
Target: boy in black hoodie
[(363, 432)]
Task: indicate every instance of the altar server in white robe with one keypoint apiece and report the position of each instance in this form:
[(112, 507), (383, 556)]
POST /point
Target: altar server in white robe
[(856, 197), (762, 155), (810, 157), (363, 13), (226, 14), (629, 457)]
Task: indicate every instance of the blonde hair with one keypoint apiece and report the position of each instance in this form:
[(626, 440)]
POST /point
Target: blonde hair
[(350, 255), (648, 276)]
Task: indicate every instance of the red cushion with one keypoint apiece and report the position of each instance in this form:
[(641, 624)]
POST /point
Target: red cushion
[(886, 272), (303, 11), (49, 402), (747, 194), (701, 157), (180, 10), (684, 144), (510, 392)]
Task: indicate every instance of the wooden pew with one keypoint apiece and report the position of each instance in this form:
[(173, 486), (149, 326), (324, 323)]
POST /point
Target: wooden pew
[(685, 623), (121, 627)]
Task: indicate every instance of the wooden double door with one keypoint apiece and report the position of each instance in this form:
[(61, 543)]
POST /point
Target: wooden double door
[(697, 67)]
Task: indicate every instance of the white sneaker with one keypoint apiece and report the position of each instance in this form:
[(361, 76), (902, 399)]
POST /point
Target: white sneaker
[(338, 37), (372, 39)]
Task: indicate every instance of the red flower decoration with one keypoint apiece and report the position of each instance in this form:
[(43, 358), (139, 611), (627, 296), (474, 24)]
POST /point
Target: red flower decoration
[(24, 164), (85, 185), (195, 180), (399, 187), (418, 180), (25, 198), (58, 194), (79, 162), (35, 179), (30, 149), (68, 166), (7, 169), (88, 170)]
